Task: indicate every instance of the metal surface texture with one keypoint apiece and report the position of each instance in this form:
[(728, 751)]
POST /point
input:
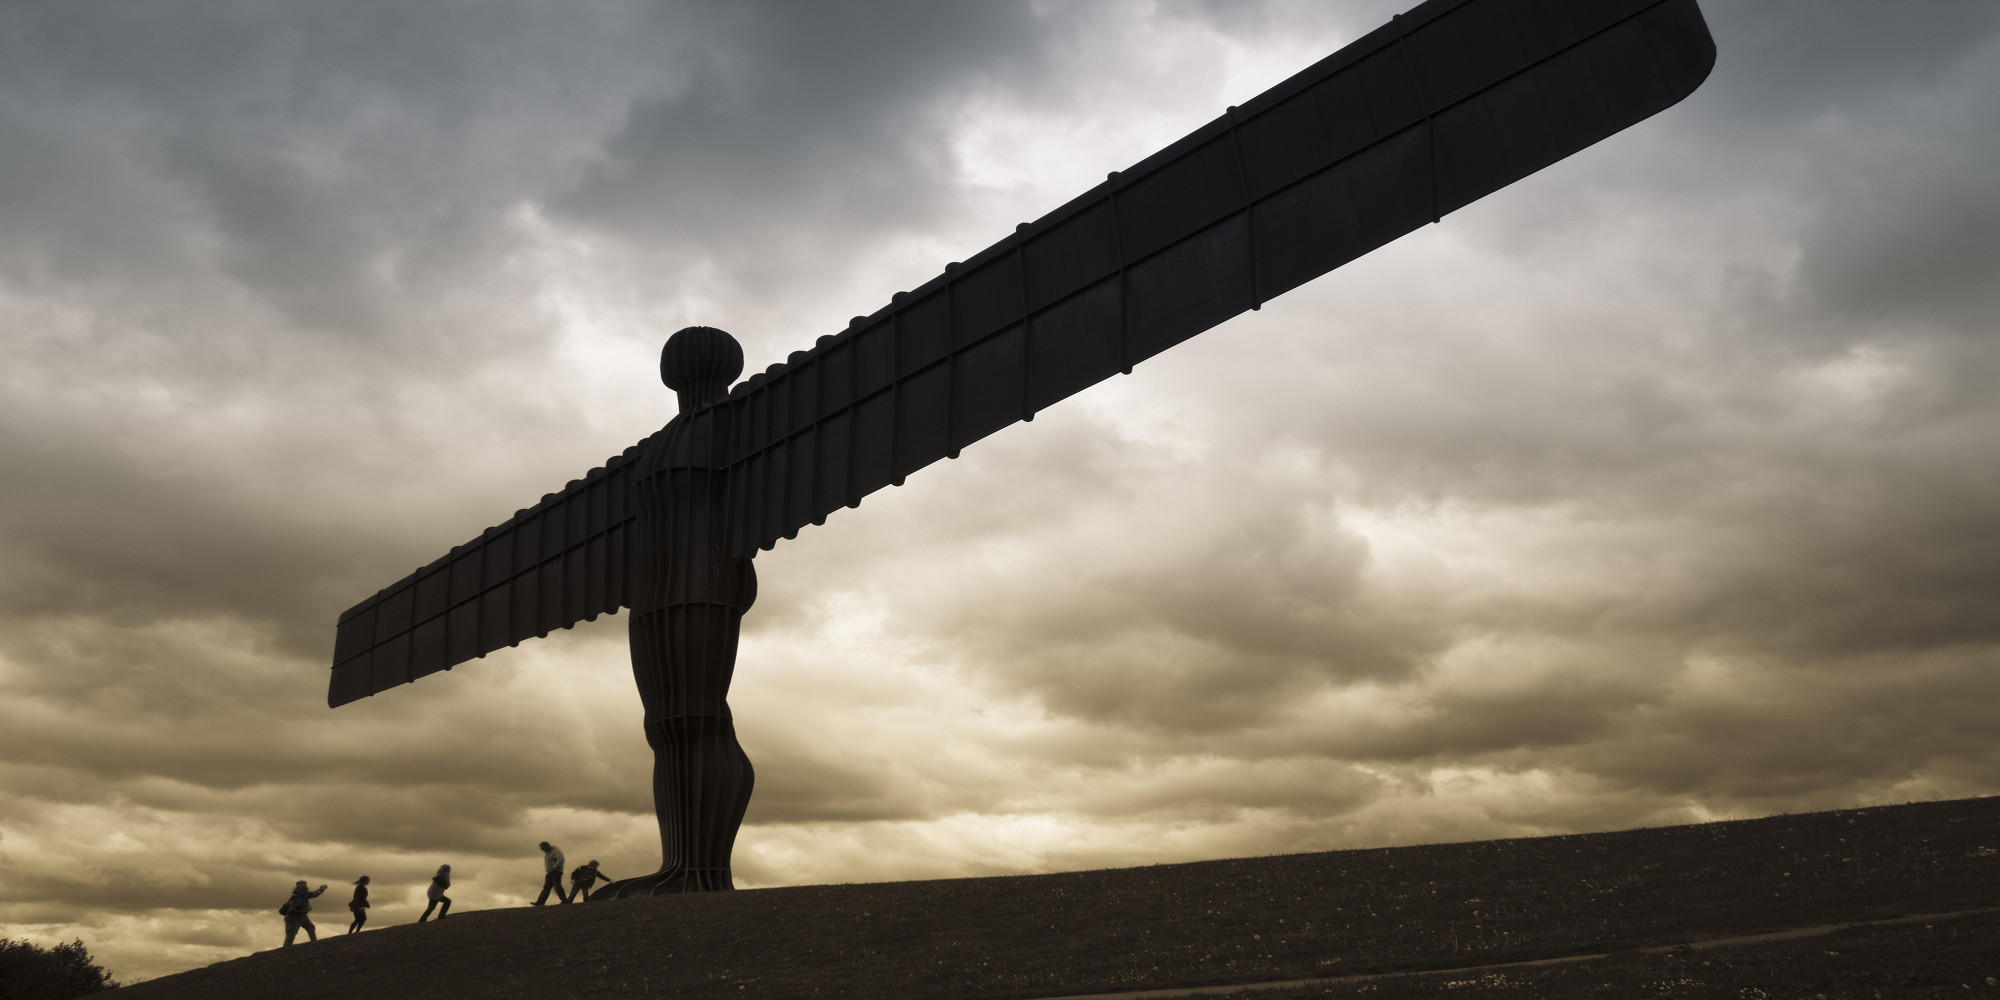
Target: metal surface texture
[(1442, 106)]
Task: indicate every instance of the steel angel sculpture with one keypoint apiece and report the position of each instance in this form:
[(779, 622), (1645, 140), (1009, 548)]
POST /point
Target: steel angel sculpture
[(1443, 105)]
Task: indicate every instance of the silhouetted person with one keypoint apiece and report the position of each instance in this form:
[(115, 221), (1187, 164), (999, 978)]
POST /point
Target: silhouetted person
[(552, 873), (582, 879), (439, 883), (298, 913), (359, 904)]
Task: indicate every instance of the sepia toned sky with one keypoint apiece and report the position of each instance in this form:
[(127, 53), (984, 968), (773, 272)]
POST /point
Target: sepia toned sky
[(1660, 487)]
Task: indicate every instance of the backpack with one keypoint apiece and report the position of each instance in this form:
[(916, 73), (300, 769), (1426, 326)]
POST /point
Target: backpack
[(285, 908)]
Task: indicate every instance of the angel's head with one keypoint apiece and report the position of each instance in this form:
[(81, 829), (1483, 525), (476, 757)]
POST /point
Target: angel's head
[(698, 363)]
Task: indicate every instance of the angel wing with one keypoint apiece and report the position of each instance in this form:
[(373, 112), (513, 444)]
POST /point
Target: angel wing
[(1440, 107), (548, 567)]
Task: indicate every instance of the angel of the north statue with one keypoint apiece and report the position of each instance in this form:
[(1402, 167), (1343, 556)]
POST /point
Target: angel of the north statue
[(1441, 106)]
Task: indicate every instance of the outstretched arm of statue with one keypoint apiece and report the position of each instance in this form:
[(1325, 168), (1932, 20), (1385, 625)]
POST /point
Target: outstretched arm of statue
[(1428, 113), (562, 561)]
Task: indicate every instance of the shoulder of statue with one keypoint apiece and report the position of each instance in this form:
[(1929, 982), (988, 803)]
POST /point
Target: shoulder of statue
[(702, 439)]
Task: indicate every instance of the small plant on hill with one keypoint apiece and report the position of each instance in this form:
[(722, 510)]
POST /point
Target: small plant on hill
[(30, 972)]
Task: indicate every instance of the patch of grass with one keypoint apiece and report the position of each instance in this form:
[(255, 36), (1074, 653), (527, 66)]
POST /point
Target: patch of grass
[(1218, 922)]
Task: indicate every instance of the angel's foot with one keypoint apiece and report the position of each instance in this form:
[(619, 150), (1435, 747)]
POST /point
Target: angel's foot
[(644, 885), (666, 882)]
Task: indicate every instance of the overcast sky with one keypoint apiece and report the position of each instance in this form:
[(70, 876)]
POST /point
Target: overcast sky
[(1659, 487)]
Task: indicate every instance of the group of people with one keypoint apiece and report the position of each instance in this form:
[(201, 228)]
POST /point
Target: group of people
[(580, 880), (297, 910)]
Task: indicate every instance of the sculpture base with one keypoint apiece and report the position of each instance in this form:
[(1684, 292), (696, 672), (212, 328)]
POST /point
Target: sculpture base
[(667, 882)]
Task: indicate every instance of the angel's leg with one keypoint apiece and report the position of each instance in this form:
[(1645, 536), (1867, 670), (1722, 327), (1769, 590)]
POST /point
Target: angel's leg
[(683, 657)]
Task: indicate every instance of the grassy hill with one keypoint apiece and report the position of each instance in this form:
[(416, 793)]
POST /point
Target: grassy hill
[(1214, 922), (1958, 957)]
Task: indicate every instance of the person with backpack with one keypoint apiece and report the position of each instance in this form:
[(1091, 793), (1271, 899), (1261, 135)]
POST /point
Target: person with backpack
[(359, 904), (297, 912), (439, 883), (582, 879)]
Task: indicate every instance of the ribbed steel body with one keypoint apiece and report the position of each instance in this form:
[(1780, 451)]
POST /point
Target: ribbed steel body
[(690, 596)]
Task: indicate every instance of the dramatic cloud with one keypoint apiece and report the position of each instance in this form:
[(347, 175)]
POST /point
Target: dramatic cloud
[(1658, 487)]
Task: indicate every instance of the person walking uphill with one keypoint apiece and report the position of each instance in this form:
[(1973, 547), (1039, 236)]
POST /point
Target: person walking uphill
[(359, 904), (439, 883), (552, 873), (582, 879), (297, 911)]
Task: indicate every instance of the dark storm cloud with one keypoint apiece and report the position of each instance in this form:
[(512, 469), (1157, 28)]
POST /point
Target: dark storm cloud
[(802, 121), (213, 192), (1909, 215), (1794, 61)]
